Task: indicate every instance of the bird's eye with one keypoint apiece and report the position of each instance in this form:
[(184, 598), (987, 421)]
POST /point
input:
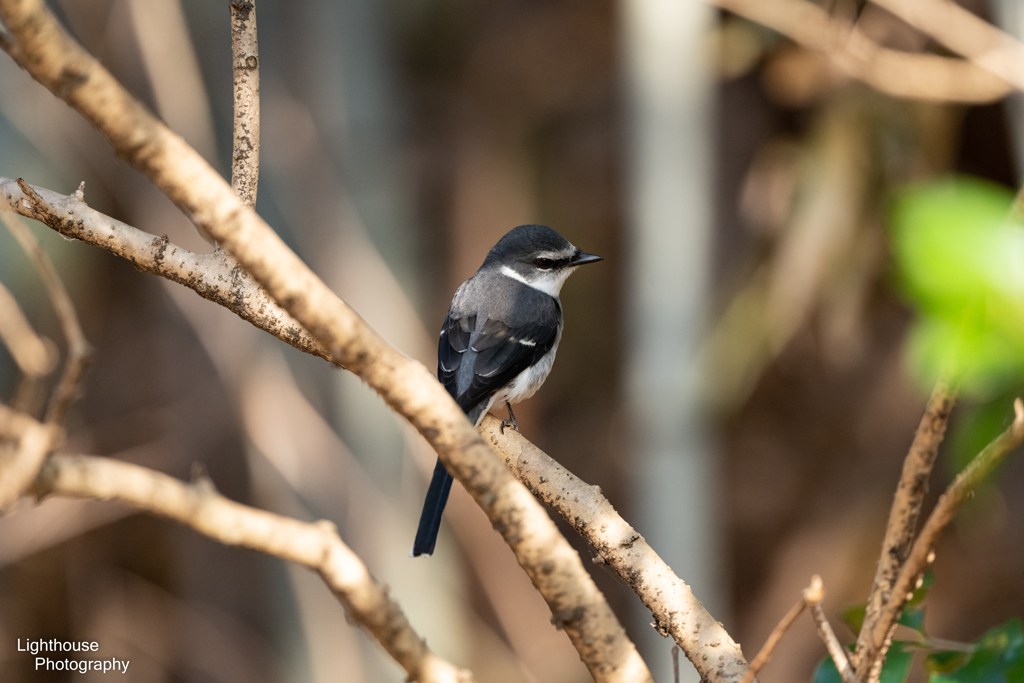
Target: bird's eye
[(544, 263)]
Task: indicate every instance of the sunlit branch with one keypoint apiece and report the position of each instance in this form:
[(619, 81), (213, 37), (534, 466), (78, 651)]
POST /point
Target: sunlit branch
[(199, 506), (896, 73), (245, 66), (42, 48), (677, 612), (906, 504), (214, 276), (922, 553)]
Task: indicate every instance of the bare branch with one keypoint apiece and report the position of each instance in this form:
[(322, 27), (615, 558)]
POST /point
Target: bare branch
[(906, 505), (13, 423), (922, 554), (29, 351), (20, 462), (814, 592), (813, 596), (896, 73), (966, 34), (79, 350), (676, 611), (215, 276), (245, 65), (59, 63), (317, 546)]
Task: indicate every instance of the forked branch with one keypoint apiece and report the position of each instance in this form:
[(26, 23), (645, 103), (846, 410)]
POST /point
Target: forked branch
[(198, 505), (44, 49), (906, 505), (922, 553)]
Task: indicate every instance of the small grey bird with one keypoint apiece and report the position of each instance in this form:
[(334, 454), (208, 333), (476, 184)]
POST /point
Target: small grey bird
[(499, 339)]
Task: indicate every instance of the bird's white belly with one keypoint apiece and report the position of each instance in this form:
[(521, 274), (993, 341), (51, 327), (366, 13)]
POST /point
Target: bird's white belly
[(527, 382)]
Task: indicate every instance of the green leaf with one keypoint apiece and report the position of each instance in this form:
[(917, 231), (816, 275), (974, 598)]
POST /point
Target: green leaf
[(897, 663), (913, 617), (999, 658), (961, 263)]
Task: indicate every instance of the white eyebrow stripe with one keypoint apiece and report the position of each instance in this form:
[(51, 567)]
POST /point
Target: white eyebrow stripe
[(550, 282), (508, 272)]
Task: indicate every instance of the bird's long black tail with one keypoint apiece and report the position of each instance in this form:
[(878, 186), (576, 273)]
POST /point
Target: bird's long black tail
[(433, 506), (437, 496)]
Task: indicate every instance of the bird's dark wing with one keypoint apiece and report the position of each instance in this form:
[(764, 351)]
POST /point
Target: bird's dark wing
[(451, 348), (504, 350)]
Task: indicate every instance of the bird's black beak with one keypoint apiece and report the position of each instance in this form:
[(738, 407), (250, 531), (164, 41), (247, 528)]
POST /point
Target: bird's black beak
[(581, 258)]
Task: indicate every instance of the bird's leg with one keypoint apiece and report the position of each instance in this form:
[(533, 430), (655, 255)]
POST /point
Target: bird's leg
[(511, 421)]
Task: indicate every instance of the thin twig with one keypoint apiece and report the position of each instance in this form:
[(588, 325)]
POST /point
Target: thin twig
[(813, 596), (20, 463), (215, 276), (906, 504), (30, 352), (79, 350), (676, 611), (814, 592), (53, 58), (835, 648), (245, 65), (965, 33), (896, 73), (922, 553), (13, 423), (198, 505)]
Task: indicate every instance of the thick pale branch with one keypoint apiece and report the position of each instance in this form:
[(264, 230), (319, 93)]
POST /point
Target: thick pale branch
[(58, 62), (922, 553), (79, 349), (897, 73), (906, 505), (317, 546), (677, 612), (245, 65), (214, 276)]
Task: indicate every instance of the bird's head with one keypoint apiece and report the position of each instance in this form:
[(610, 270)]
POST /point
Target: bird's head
[(537, 256)]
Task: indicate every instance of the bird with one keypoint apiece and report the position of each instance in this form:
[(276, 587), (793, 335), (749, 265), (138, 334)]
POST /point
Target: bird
[(499, 339)]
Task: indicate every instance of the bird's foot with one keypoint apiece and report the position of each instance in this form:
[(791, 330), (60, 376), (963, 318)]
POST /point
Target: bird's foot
[(511, 421)]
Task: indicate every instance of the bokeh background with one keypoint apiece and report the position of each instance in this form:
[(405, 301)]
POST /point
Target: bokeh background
[(734, 376)]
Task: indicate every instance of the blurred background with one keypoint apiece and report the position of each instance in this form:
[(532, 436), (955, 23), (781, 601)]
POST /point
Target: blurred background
[(735, 376)]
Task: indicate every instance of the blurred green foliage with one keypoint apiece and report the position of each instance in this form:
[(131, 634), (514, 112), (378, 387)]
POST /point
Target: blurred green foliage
[(960, 261), (997, 657)]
